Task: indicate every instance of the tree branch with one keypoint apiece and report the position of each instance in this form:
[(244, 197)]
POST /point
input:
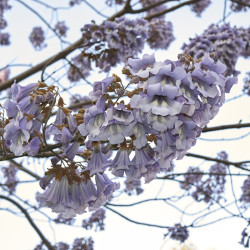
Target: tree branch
[(133, 221), (19, 166), (42, 65), (223, 127), (228, 163), (45, 241), (170, 9)]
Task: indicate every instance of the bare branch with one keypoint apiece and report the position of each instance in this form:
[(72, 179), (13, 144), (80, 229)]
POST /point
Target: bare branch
[(20, 167), (133, 221), (228, 126), (228, 163), (171, 9), (45, 241)]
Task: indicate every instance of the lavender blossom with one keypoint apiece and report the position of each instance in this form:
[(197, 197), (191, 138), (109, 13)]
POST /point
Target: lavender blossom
[(37, 38), (193, 177), (83, 244), (133, 186), (219, 39), (240, 5), (10, 177), (245, 196), (61, 28), (4, 74), (4, 39), (96, 219), (200, 6), (246, 87), (178, 232), (61, 220), (80, 68)]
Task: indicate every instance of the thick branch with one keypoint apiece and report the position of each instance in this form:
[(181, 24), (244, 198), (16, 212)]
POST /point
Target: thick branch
[(45, 241), (42, 65)]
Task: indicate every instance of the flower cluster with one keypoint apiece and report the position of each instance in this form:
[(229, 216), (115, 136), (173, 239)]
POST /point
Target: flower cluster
[(110, 3), (200, 6), (167, 105), (10, 177), (245, 197), (61, 220), (240, 5), (37, 38), (26, 111), (159, 8), (209, 190), (96, 219), (132, 186), (74, 2), (219, 39), (246, 87), (115, 41), (61, 28), (4, 37), (80, 68), (79, 192), (78, 244), (83, 244), (178, 232), (4, 74), (192, 178)]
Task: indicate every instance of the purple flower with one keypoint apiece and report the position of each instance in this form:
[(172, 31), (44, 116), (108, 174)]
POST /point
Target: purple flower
[(133, 185), (105, 188), (4, 38), (178, 232), (245, 196), (4, 74), (120, 163), (96, 219), (71, 150), (80, 69), (200, 6), (33, 146), (37, 38), (143, 165), (67, 199), (99, 88), (18, 134), (97, 162), (11, 179), (61, 28), (83, 243)]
